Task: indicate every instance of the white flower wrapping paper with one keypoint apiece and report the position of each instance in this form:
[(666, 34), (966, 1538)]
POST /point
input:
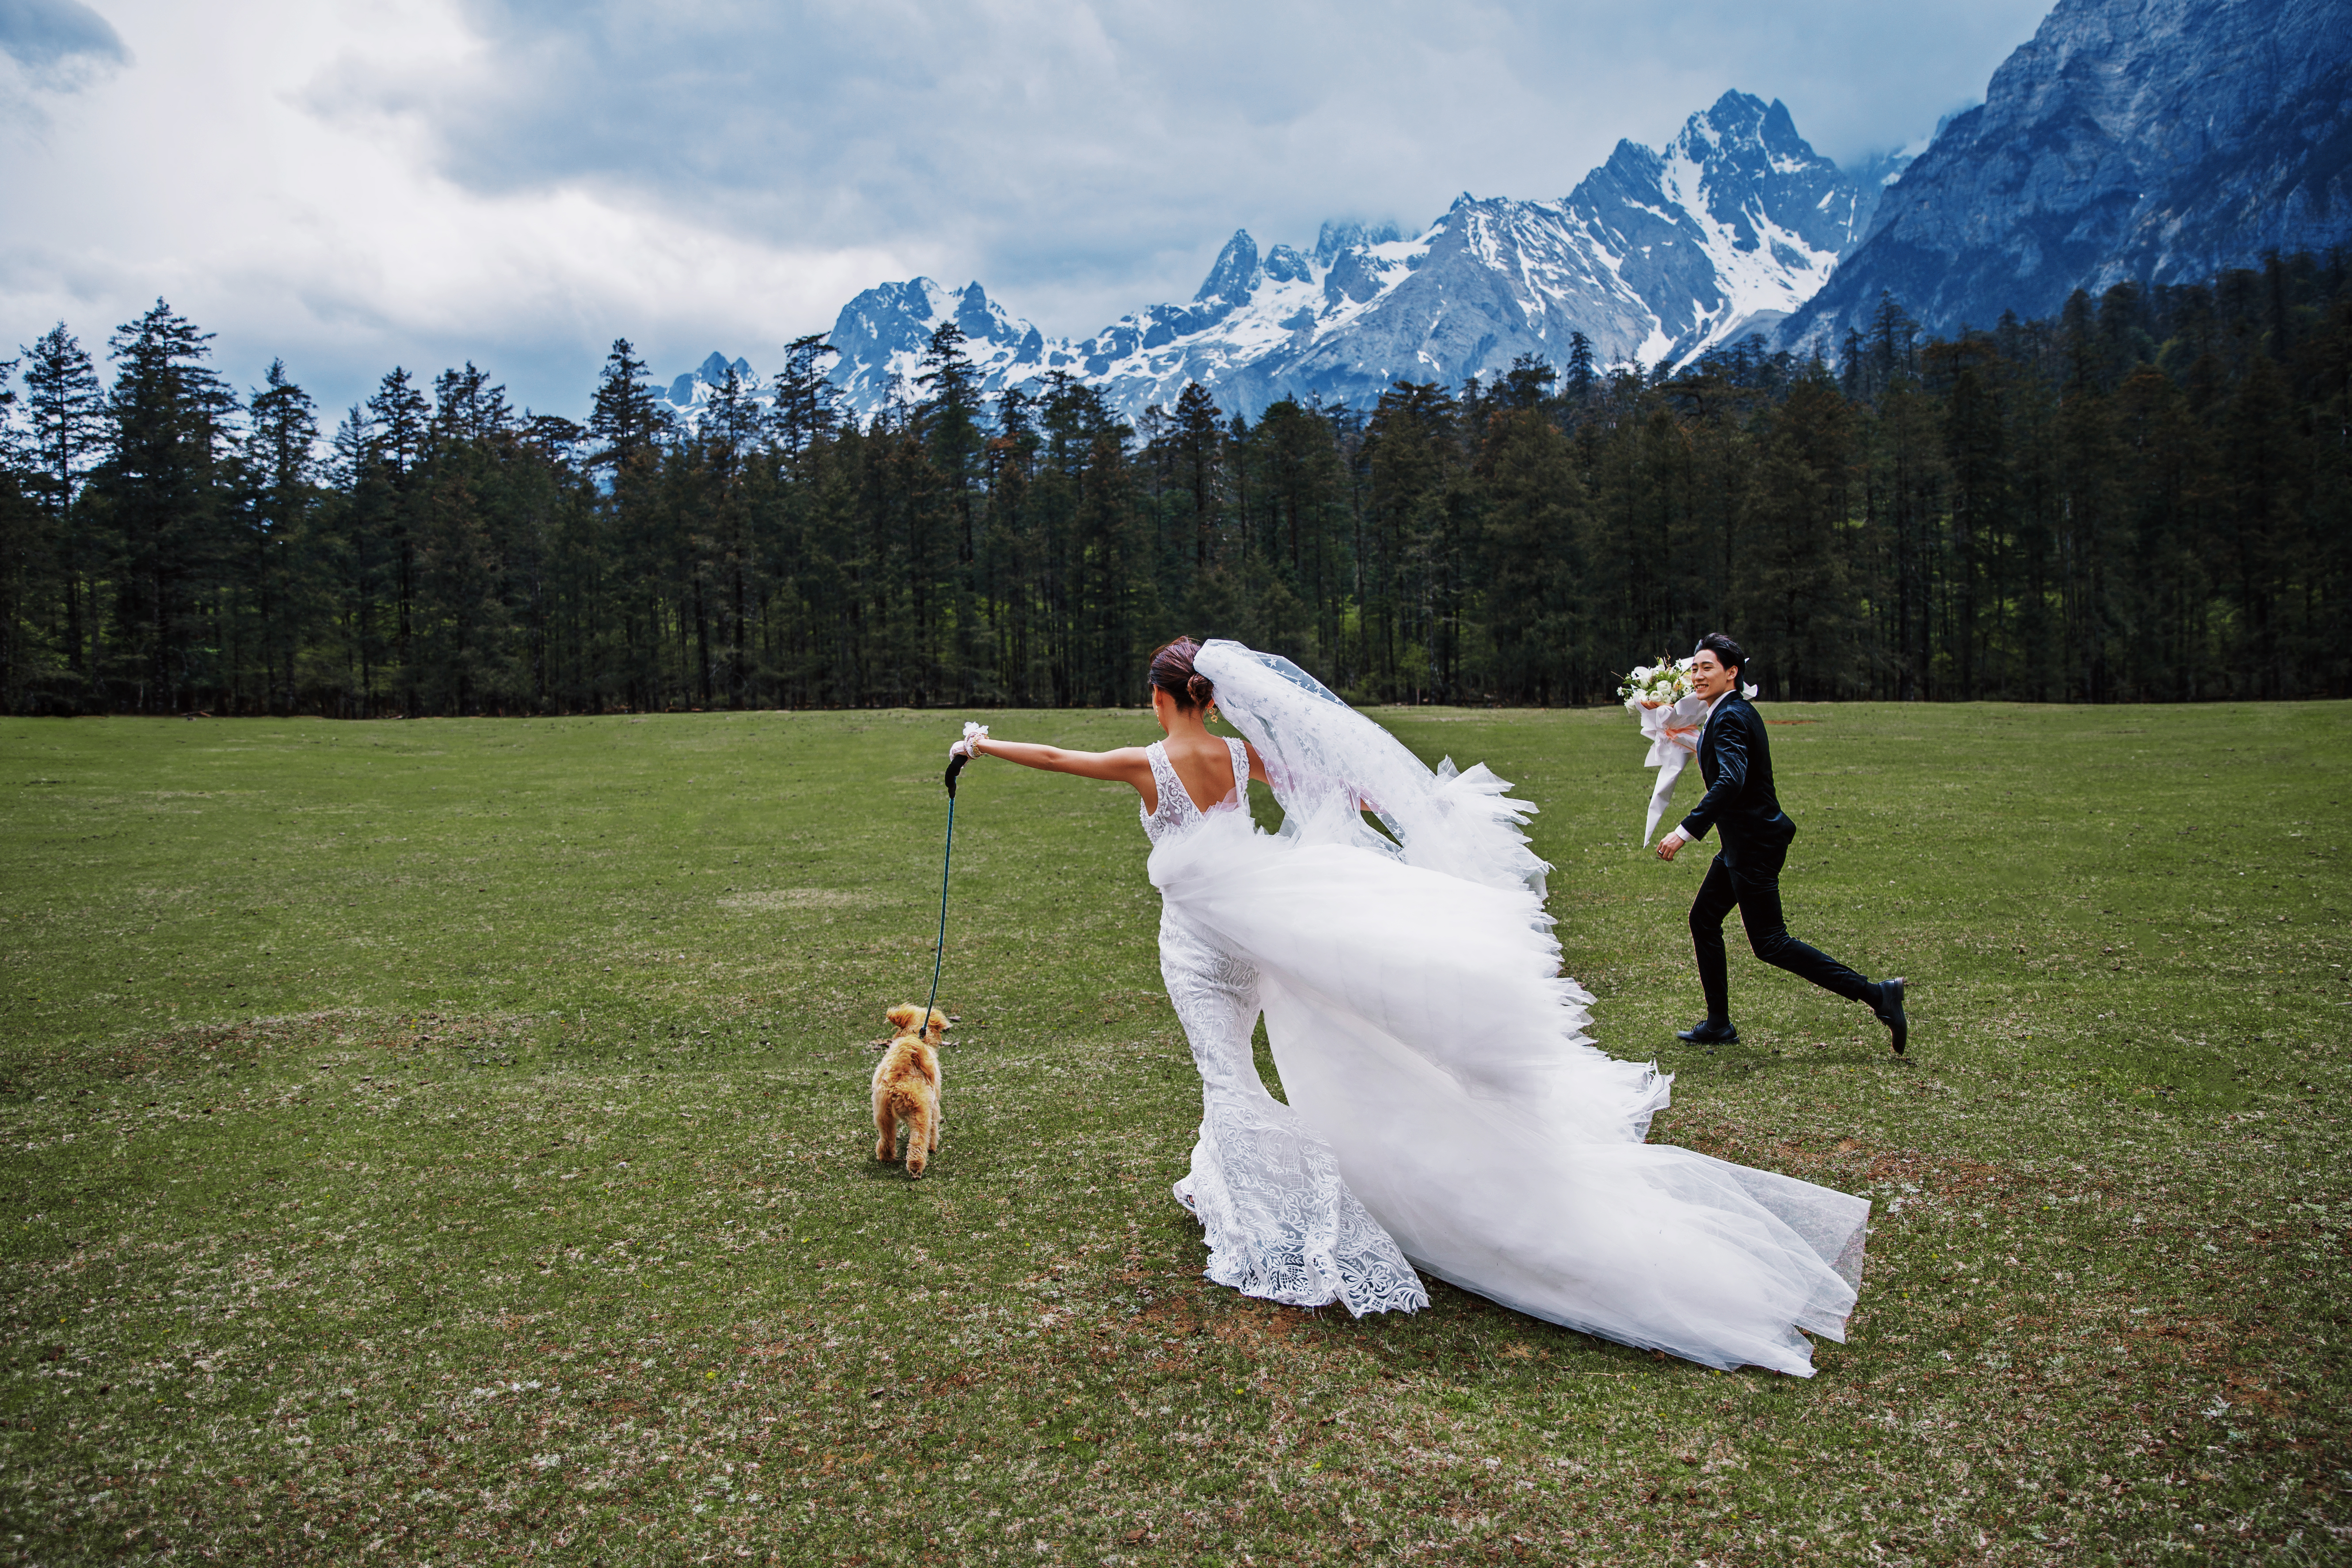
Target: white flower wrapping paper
[(1672, 730)]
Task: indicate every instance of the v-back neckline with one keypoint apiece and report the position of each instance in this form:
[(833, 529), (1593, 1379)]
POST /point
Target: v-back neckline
[(1190, 799)]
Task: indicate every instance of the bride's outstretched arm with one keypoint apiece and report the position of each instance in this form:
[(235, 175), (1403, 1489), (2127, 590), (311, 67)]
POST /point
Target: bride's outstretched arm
[(1127, 765)]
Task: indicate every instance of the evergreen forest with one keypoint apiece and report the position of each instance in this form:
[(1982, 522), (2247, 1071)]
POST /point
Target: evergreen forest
[(2147, 498)]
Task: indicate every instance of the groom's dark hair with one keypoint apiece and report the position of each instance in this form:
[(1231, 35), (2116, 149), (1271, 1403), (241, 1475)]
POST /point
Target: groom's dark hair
[(1724, 648)]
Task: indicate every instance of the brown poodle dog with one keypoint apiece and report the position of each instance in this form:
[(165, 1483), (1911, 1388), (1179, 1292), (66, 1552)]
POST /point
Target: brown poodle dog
[(906, 1088)]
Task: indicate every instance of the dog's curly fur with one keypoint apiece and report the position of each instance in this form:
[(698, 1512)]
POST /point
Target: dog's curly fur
[(906, 1088)]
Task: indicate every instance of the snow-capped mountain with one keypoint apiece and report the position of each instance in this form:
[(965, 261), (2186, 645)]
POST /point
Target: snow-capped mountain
[(881, 336), (2153, 141), (2146, 139), (688, 392), (1656, 255)]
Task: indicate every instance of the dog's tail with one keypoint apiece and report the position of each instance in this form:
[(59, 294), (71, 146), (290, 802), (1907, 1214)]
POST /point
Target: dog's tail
[(915, 1110), (903, 1016)]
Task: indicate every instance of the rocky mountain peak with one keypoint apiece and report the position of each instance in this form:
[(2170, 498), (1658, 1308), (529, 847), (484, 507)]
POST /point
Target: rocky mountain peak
[(691, 387), (1285, 265), (2153, 141), (1234, 275)]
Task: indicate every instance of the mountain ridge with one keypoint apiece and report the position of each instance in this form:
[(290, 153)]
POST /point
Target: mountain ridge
[(1657, 254), (2127, 140)]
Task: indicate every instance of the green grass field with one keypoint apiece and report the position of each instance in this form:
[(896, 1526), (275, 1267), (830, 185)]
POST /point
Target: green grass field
[(446, 1143)]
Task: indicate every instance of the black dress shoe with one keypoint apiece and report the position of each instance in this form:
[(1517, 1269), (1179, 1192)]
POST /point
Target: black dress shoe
[(1889, 1009), (1709, 1034)]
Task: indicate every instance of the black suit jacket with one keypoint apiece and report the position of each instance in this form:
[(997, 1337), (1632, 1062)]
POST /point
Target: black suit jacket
[(1735, 761)]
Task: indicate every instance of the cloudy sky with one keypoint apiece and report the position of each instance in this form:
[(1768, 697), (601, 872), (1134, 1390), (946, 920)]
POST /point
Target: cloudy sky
[(356, 184)]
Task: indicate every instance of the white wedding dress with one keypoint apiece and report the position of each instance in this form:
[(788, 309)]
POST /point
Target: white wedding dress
[(1446, 1111)]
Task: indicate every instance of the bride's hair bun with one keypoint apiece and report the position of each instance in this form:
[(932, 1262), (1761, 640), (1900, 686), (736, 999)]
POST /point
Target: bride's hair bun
[(1172, 672)]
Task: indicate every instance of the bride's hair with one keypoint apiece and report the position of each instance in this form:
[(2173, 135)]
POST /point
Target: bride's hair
[(1172, 672)]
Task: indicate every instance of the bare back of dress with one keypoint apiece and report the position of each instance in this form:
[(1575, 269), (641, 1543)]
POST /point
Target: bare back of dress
[(1175, 811)]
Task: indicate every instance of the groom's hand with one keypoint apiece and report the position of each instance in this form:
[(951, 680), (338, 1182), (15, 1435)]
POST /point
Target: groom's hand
[(1672, 842)]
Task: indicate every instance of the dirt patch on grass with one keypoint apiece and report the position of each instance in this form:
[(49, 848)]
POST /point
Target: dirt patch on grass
[(785, 899), (254, 1042)]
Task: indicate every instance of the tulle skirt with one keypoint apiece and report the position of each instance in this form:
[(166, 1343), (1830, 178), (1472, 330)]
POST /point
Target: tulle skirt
[(1423, 1031)]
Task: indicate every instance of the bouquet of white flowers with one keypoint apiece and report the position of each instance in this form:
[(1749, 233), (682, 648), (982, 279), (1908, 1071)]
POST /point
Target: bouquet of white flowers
[(1659, 685), (1673, 717)]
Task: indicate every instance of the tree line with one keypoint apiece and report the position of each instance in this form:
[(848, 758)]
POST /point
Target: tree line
[(2149, 498)]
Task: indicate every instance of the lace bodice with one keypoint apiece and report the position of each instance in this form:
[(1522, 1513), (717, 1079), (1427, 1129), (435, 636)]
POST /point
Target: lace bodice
[(1177, 811)]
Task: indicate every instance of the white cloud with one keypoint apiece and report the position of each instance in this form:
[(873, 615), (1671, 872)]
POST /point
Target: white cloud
[(355, 182)]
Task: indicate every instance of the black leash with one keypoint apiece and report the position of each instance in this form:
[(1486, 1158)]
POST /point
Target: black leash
[(940, 952)]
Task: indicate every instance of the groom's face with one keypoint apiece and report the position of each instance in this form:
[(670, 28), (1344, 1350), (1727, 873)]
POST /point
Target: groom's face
[(1708, 679)]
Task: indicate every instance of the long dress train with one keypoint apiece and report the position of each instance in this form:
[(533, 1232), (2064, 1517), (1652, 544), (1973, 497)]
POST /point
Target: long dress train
[(1446, 1106)]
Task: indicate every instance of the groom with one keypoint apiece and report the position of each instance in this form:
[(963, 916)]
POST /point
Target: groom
[(1736, 764)]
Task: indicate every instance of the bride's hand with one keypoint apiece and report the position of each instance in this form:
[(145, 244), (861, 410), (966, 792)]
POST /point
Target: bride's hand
[(970, 745)]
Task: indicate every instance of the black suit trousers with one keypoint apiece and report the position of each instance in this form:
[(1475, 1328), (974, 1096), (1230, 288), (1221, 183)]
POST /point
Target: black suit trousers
[(1753, 885)]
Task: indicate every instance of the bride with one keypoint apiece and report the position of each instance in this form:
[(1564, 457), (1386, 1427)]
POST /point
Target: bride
[(1446, 1112)]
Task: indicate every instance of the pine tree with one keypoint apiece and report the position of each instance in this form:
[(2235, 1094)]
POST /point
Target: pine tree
[(1528, 383), (62, 443), (726, 452), (1417, 530), (398, 419), (280, 503), (2167, 597), (65, 411), (807, 407), (1199, 442), (1534, 509), (1581, 380), (2263, 469), (161, 488), (627, 426), (21, 535), (1305, 484), (1793, 598), (1888, 361), (1975, 435), (626, 417), (2090, 534), (463, 627), (345, 567)]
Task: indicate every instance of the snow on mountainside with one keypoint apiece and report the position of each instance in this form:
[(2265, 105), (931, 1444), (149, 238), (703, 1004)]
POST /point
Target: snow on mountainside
[(1656, 255)]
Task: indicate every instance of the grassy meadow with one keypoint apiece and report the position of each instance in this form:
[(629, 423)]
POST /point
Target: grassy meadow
[(446, 1143)]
